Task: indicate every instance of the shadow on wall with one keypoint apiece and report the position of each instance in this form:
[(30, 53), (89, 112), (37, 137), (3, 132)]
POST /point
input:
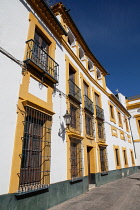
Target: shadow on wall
[(62, 132)]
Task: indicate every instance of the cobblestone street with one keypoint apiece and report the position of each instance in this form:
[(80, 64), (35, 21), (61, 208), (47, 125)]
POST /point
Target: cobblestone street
[(122, 194)]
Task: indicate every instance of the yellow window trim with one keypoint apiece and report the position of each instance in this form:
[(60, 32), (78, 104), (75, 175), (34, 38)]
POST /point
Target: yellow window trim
[(117, 147), (119, 120), (111, 119), (129, 138), (37, 107), (132, 152), (124, 149), (114, 131), (122, 137)]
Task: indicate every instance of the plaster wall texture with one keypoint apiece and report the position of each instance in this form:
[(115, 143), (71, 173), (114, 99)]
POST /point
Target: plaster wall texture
[(58, 145), (37, 89), (12, 39)]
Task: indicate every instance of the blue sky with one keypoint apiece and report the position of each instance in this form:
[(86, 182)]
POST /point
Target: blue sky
[(111, 28)]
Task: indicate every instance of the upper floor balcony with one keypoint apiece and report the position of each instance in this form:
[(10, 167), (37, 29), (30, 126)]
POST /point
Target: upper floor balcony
[(74, 91), (38, 58), (99, 112), (88, 104)]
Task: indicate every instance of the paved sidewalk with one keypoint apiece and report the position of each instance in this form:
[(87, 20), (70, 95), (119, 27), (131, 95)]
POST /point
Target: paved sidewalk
[(122, 194)]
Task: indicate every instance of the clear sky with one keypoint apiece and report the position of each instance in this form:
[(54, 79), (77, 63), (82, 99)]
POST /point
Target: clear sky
[(111, 28)]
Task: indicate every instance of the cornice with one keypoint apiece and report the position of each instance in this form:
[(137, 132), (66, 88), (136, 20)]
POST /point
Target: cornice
[(46, 15), (59, 7), (122, 108), (64, 43), (133, 106)]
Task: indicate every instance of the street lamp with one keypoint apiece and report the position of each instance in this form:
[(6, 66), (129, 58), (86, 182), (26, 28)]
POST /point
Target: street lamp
[(67, 118)]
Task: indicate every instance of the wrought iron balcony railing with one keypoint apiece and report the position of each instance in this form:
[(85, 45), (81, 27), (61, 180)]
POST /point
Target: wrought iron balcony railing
[(88, 104), (74, 91), (99, 112), (39, 58)]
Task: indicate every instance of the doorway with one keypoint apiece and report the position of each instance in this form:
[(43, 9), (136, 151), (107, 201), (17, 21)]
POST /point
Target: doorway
[(89, 163)]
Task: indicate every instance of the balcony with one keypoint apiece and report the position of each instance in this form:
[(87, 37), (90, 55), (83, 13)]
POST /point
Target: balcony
[(99, 112), (74, 91), (39, 59), (88, 104)]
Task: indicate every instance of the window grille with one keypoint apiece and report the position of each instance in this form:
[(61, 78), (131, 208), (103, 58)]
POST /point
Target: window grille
[(101, 130), (103, 159), (75, 117), (89, 122), (36, 144), (76, 158)]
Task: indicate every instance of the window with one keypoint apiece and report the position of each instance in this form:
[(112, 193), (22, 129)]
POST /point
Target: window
[(71, 38), (35, 157), (85, 89), (41, 48), (100, 126), (90, 65), (125, 157), (111, 112), (132, 157), (103, 159), (89, 124), (71, 74), (119, 119), (76, 158), (97, 99), (126, 124), (99, 76), (117, 157), (81, 53), (75, 117)]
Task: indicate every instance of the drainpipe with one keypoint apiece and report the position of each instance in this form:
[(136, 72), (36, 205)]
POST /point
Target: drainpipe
[(132, 136)]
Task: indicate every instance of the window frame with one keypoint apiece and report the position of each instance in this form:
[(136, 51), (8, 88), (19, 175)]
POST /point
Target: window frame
[(125, 157), (117, 156), (111, 112), (104, 160), (77, 165), (33, 175)]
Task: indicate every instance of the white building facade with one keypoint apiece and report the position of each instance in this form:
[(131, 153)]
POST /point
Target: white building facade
[(46, 159)]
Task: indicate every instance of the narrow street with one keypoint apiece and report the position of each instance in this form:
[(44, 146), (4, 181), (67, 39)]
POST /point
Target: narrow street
[(122, 194)]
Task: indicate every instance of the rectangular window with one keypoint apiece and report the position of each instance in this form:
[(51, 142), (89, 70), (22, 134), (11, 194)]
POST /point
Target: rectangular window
[(103, 159), (85, 89), (76, 158), (125, 157), (119, 119), (126, 124), (73, 116), (117, 157), (111, 112), (35, 157), (132, 158), (97, 99), (100, 126), (89, 124)]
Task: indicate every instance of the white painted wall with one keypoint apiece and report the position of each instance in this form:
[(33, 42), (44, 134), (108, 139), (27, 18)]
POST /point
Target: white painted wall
[(37, 89), (13, 31)]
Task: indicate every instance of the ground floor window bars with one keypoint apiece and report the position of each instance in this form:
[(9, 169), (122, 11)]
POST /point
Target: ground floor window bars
[(36, 144), (101, 129), (103, 159), (89, 123), (76, 158)]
